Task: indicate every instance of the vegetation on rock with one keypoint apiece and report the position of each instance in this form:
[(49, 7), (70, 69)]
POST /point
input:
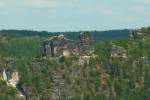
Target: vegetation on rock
[(104, 78)]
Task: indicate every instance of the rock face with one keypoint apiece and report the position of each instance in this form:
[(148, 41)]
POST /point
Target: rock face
[(14, 79), (118, 52), (137, 34), (58, 46), (4, 75), (85, 44), (84, 60)]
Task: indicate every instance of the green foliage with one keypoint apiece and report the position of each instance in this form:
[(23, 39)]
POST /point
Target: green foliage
[(8, 93), (105, 78)]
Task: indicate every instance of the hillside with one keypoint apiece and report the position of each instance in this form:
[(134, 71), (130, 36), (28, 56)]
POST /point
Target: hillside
[(97, 35), (119, 69)]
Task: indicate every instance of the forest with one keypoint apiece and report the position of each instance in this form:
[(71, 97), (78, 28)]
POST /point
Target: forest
[(104, 78)]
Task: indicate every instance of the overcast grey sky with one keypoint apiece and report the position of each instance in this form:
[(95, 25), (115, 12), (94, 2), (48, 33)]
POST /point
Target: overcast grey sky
[(74, 15)]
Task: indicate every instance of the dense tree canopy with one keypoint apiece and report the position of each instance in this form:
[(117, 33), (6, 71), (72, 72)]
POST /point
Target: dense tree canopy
[(104, 78)]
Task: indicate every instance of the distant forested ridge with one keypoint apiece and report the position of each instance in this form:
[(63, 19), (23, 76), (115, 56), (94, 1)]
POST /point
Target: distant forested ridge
[(97, 35)]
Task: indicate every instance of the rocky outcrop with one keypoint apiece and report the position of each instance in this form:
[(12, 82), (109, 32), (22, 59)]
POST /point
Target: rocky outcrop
[(118, 51), (84, 60), (137, 34), (4, 75), (85, 44), (58, 46), (13, 81)]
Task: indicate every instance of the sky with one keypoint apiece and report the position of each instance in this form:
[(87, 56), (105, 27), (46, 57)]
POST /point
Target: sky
[(74, 15)]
